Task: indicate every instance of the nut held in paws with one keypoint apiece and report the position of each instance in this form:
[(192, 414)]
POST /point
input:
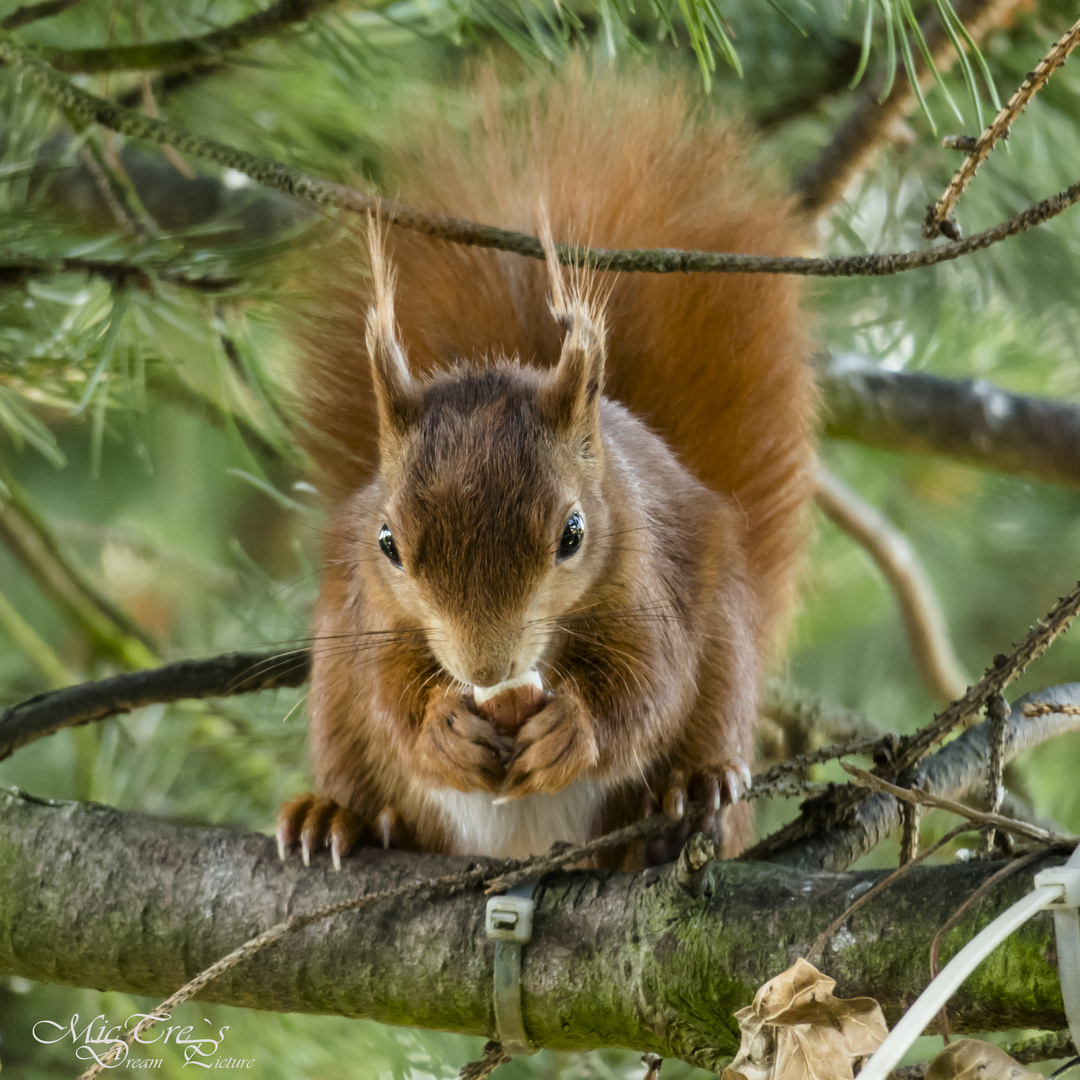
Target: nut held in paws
[(509, 704)]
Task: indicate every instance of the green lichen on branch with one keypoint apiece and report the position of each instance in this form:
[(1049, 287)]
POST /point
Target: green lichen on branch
[(99, 897)]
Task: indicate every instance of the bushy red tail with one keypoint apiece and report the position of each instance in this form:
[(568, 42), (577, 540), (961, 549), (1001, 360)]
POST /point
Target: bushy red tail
[(715, 362)]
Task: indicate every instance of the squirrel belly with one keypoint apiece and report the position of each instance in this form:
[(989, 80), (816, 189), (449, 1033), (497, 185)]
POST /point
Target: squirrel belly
[(599, 479)]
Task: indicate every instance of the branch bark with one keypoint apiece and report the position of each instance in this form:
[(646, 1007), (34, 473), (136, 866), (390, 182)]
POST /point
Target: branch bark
[(972, 422), (616, 960), (219, 676), (838, 827)]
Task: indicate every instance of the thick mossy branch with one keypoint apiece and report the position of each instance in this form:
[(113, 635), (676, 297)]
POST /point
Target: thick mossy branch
[(96, 897)]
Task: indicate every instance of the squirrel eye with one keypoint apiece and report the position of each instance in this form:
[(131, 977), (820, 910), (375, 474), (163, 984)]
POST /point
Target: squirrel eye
[(572, 536), (389, 548)]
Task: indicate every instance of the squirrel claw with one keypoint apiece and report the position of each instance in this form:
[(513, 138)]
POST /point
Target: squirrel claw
[(316, 823), (716, 787)]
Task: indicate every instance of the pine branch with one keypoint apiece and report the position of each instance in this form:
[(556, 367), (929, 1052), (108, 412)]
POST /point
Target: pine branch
[(938, 216), (871, 123), (326, 194)]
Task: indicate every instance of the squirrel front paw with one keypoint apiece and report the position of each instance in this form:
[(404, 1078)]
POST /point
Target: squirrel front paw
[(460, 748), (553, 747), (315, 822)]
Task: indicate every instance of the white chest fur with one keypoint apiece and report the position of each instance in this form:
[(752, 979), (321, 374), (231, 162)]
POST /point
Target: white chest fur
[(520, 827)]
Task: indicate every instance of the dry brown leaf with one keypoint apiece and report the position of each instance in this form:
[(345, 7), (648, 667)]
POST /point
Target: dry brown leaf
[(972, 1059), (797, 1030)]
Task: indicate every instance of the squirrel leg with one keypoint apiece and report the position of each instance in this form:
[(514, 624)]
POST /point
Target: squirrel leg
[(316, 822)]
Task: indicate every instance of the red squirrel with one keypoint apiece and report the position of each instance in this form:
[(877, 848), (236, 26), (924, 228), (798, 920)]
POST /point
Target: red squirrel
[(565, 507)]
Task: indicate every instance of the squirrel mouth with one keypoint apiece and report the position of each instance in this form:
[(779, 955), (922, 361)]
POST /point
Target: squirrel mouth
[(507, 705)]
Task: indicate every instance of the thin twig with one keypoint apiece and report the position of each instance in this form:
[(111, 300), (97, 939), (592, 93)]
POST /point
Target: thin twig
[(880, 887), (873, 121), (204, 50), (910, 819), (248, 672), (652, 1063), (977, 817), (782, 769), (997, 712), (117, 273), (954, 919), (806, 720), (1045, 708), (220, 676), (30, 13), (324, 193), (494, 1056), (1006, 668), (924, 621), (938, 216)]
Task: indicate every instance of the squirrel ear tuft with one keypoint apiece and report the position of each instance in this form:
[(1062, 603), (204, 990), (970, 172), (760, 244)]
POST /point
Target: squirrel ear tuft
[(395, 391), (570, 393)]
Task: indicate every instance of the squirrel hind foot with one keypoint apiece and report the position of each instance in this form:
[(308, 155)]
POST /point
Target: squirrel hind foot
[(718, 787), (316, 822)]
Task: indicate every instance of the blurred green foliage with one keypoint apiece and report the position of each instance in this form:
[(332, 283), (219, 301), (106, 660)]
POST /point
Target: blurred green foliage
[(146, 414)]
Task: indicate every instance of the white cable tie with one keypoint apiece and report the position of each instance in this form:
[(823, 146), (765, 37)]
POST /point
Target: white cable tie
[(508, 922)]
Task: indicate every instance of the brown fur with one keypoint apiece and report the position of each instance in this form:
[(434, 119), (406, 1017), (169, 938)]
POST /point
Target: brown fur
[(483, 426)]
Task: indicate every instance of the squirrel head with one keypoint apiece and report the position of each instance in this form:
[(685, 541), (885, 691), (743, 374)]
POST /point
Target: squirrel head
[(488, 511)]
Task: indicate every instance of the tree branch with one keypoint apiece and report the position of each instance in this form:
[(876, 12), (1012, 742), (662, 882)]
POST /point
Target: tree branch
[(615, 960), (184, 53), (107, 626), (324, 193), (117, 273), (30, 13), (220, 676), (835, 829), (972, 422), (924, 621)]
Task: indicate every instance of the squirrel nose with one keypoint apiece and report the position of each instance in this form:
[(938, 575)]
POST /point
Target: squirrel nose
[(489, 675)]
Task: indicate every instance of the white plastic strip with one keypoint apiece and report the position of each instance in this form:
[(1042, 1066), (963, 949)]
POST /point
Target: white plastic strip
[(1067, 933), (929, 1003)]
